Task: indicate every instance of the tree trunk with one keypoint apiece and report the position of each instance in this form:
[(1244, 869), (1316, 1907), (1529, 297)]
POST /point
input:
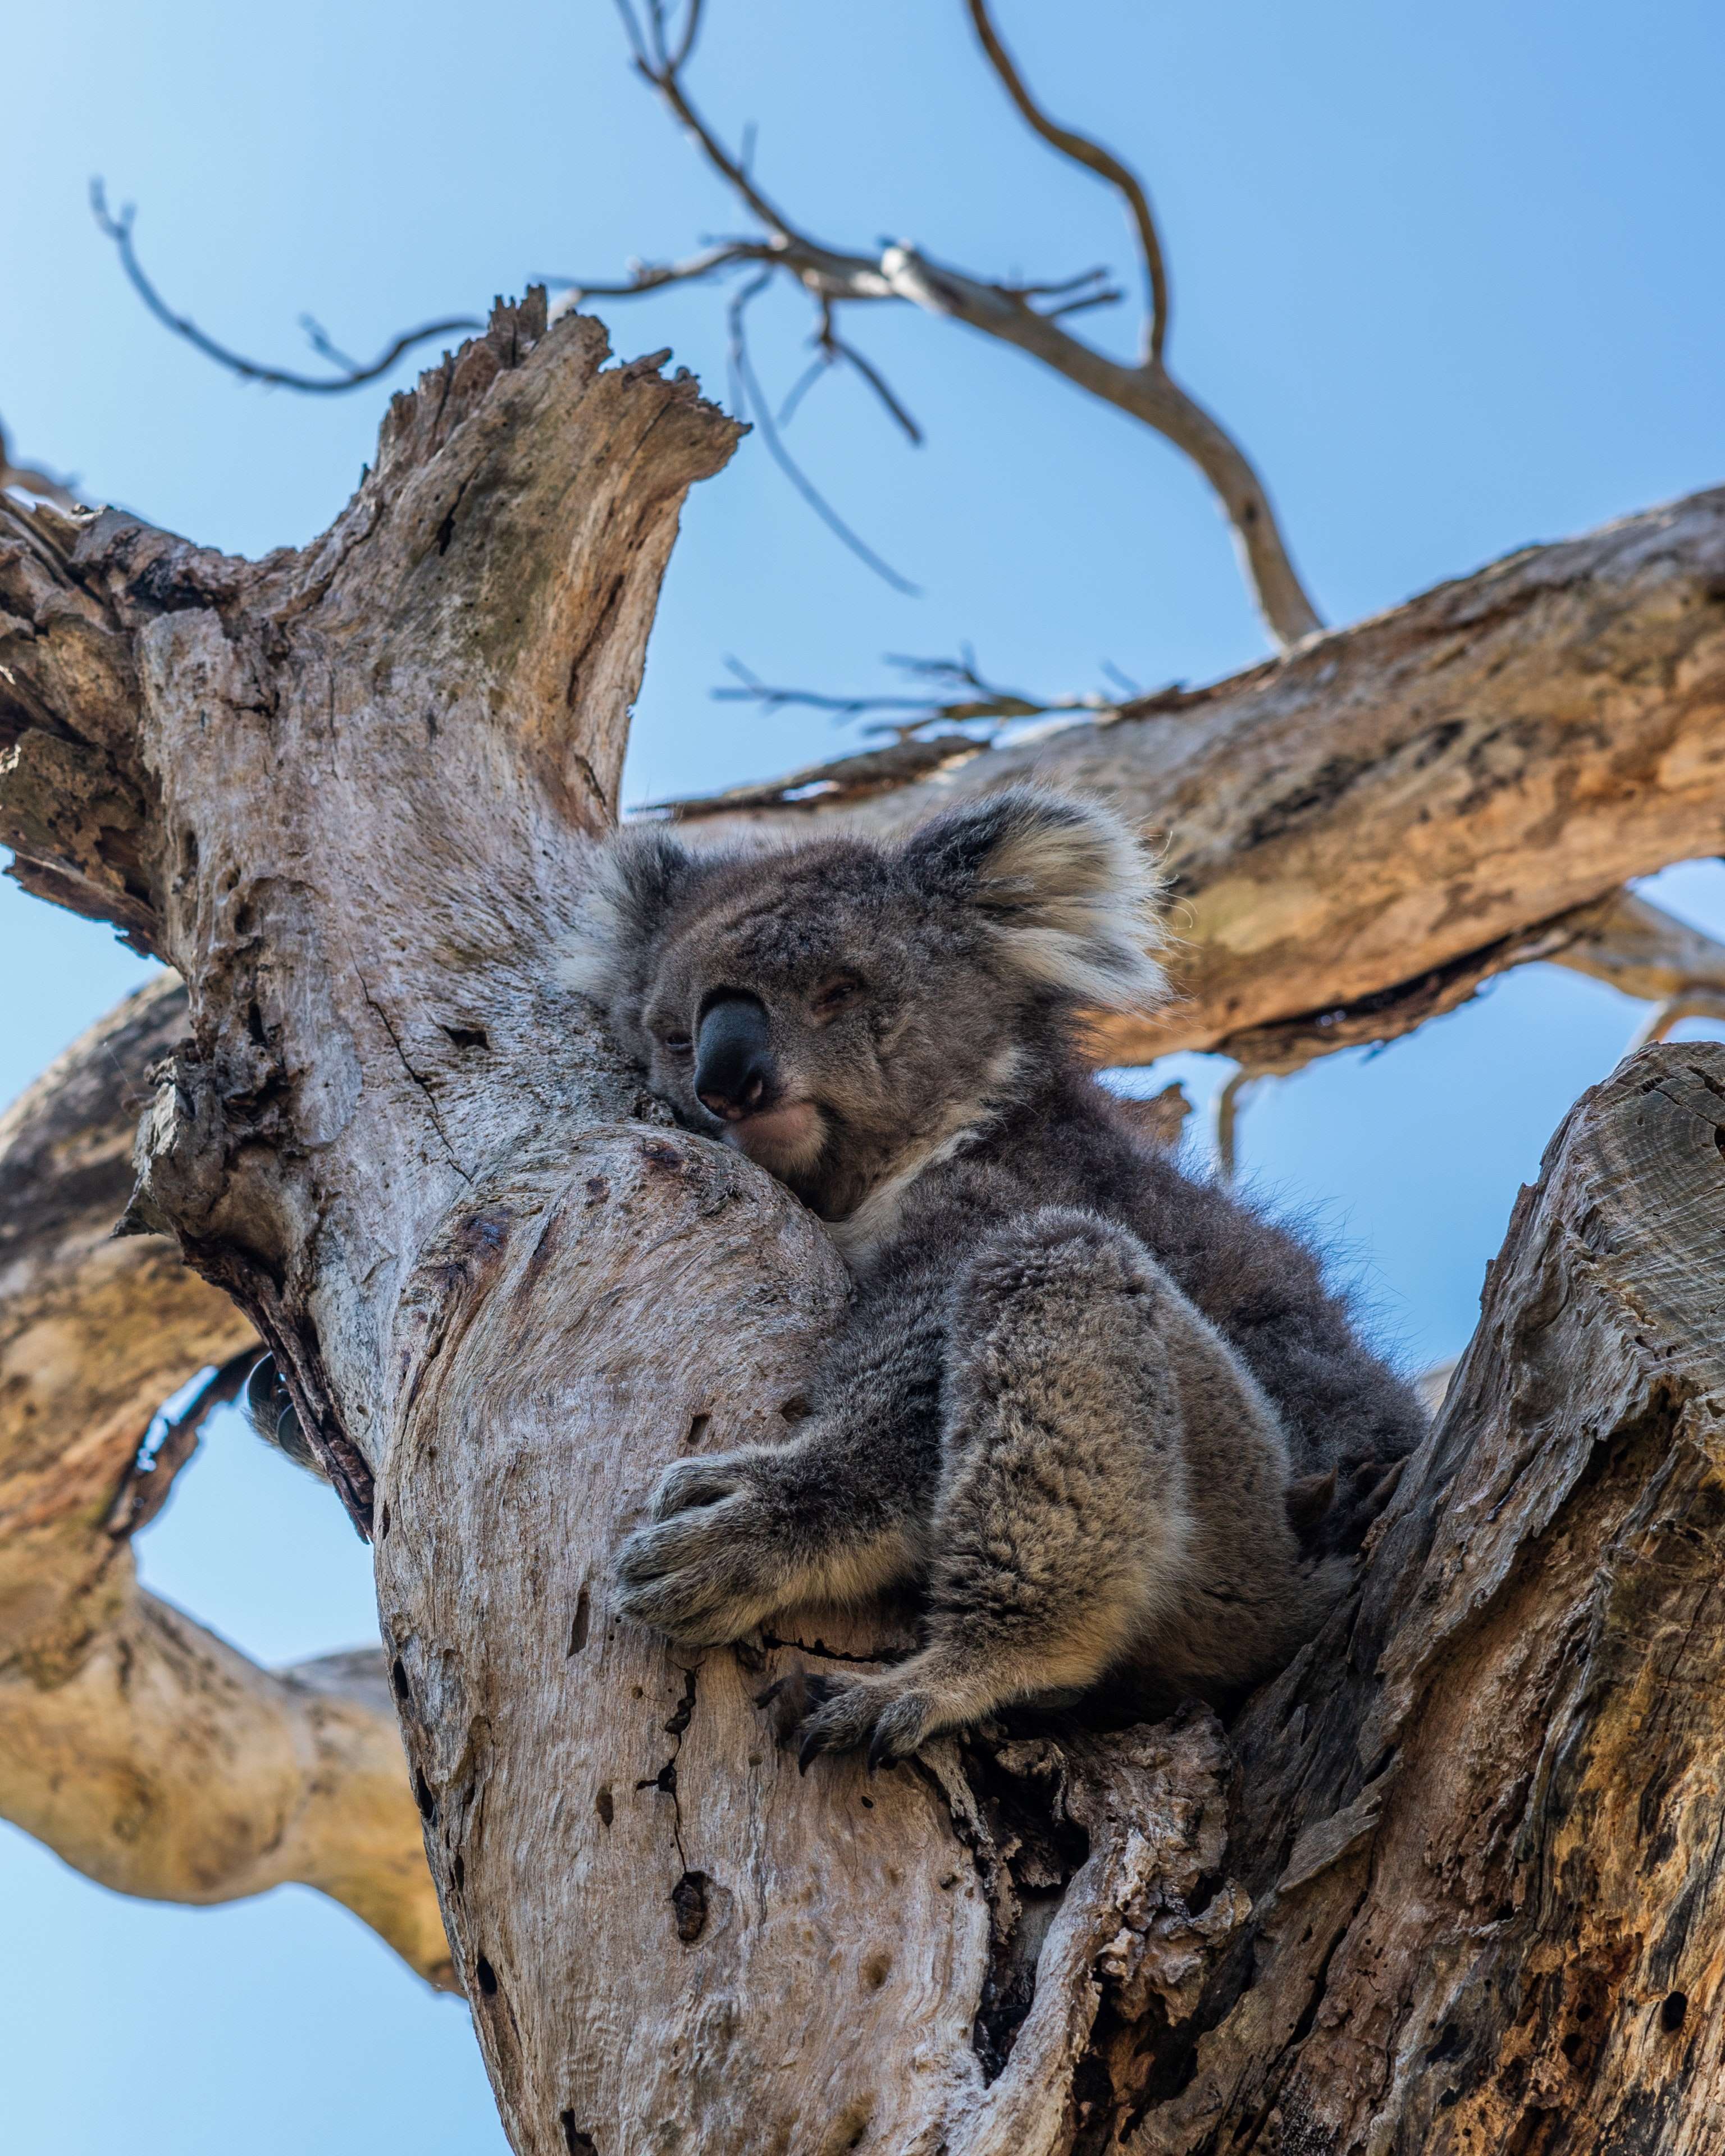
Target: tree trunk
[(346, 792)]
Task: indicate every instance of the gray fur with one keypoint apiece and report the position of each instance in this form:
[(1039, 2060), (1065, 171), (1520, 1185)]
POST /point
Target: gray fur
[(1082, 1403)]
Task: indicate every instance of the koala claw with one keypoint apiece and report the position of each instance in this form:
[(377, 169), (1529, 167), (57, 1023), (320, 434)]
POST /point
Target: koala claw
[(687, 1484), (891, 1719), (701, 1577)]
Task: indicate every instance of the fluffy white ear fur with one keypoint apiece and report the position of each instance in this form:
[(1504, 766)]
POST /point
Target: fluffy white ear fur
[(633, 880), (1072, 892)]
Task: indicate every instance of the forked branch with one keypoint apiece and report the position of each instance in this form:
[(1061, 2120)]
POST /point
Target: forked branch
[(1027, 315), (350, 373)]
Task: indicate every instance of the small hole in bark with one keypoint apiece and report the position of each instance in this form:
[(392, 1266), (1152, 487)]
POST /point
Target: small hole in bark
[(574, 2140), (1672, 2013), (422, 1796), (468, 1036), (255, 1026), (383, 1522), (445, 532), (486, 1977), (603, 1805), (458, 1871), (398, 1681), (699, 1426), (584, 1617), (796, 1409), (875, 1970), (689, 1901)]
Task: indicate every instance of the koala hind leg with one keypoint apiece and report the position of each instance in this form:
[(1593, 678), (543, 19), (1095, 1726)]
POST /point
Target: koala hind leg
[(1060, 1525)]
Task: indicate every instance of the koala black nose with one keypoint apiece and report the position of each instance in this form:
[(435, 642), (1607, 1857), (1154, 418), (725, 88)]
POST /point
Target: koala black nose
[(733, 1061)]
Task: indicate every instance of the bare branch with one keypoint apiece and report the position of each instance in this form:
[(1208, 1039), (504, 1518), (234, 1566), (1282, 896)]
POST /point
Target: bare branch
[(981, 701), (662, 68), (876, 381), (653, 276), (118, 229), (1146, 391), (1096, 159), (749, 397)]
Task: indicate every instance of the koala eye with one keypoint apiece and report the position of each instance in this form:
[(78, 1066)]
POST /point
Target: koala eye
[(677, 1044), (836, 995)]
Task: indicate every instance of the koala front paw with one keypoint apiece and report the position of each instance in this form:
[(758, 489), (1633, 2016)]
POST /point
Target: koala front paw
[(711, 1566), (893, 1716)]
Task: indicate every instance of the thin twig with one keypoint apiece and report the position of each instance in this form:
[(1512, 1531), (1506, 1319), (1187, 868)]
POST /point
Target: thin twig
[(1101, 162), (119, 230), (877, 381), (1016, 312), (749, 397), (663, 69), (979, 702), (646, 277)]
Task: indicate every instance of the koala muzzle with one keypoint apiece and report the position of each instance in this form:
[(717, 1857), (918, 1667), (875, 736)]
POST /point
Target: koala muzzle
[(734, 1074)]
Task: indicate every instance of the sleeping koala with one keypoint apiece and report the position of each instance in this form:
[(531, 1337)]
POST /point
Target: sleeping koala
[(1080, 1402)]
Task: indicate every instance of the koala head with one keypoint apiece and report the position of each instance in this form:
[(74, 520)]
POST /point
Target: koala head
[(832, 1007)]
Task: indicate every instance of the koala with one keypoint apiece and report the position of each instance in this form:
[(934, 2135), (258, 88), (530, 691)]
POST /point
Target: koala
[(1081, 1403)]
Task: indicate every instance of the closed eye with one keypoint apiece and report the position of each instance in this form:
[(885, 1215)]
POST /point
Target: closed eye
[(677, 1044), (836, 995)]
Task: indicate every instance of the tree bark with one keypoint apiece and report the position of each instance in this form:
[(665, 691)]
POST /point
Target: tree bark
[(139, 1747), (346, 792)]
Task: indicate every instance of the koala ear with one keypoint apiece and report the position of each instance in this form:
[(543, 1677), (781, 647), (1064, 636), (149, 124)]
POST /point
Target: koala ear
[(1069, 892), (634, 879)]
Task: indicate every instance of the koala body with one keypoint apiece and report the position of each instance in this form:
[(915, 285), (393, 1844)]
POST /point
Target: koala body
[(1080, 1399)]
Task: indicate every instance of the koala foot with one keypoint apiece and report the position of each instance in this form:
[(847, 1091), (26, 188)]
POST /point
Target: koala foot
[(709, 1568), (894, 1713)]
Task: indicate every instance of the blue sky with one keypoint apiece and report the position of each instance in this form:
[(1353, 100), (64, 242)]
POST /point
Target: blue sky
[(1455, 277)]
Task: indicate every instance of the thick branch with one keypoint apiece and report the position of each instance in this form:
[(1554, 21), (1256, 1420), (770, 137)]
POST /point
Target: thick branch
[(140, 1748), (1361, 834)]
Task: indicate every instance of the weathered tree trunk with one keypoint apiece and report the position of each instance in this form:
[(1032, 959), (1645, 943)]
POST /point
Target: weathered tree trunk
[(141, 1748), (346, 792)]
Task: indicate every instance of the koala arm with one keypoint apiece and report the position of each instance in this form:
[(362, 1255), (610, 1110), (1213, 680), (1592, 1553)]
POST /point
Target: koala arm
[(831, 1516)]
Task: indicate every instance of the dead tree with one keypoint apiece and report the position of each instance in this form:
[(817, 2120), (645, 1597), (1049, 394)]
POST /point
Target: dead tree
[(1450, 1882)]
